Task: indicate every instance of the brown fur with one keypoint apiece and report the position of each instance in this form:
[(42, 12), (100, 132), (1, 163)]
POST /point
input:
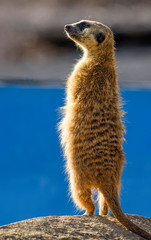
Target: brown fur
[(91, 129)]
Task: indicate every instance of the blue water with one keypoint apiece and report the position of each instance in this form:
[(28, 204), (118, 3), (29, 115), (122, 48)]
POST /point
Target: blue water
[(32, 178)]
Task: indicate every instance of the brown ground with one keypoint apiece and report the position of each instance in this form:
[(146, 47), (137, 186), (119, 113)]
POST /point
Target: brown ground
[(72, 228)]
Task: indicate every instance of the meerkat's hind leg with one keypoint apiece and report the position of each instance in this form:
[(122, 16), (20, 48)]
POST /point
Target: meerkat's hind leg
[(85, 198), (103, 207), (82, 197)]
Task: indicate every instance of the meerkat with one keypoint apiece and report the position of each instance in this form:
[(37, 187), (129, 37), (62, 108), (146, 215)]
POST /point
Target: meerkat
[(91, 128)]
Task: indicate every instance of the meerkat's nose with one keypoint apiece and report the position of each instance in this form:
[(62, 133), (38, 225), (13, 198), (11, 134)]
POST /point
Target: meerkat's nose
[(67, 27)]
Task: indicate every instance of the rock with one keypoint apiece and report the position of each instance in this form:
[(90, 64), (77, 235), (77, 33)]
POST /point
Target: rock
[(73, 228)]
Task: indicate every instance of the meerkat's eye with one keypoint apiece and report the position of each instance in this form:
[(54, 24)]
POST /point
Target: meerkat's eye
[(83, 25)]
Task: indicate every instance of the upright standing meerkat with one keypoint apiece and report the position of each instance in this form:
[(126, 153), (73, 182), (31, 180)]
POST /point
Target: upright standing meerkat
[(91, 129)]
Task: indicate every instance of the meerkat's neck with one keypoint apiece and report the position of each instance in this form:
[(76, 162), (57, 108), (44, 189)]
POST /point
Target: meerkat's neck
[(99, 56), (94, 73)]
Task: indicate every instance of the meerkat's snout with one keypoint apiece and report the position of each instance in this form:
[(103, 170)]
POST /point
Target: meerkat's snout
[(67, 27), (76, 31), (77, 27), (71, 31)]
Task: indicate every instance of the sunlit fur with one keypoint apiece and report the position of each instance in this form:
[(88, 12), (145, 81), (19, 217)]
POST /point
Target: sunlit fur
[(92, 129)]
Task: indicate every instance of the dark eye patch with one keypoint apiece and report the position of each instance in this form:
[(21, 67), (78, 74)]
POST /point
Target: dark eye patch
[(100, 37), (83, 25)]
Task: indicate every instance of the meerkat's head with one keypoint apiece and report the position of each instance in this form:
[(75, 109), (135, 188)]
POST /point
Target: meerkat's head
[(90, 35)]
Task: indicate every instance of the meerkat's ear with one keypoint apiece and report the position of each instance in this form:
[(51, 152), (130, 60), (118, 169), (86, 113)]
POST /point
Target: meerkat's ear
[(99, 37)]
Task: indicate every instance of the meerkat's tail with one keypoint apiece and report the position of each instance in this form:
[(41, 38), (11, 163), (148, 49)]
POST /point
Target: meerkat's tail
[(113, 202)]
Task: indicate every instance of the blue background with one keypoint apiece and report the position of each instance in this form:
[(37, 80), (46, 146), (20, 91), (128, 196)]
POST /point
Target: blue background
[(32, 178)]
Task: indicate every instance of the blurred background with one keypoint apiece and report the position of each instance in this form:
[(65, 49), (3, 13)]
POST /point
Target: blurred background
[(35, 59)]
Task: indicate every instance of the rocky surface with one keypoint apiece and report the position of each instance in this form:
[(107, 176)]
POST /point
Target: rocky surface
[(72, 227)]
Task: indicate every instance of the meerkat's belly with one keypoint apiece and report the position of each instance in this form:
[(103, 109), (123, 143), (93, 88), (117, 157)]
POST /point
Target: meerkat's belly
[(94, 140)]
